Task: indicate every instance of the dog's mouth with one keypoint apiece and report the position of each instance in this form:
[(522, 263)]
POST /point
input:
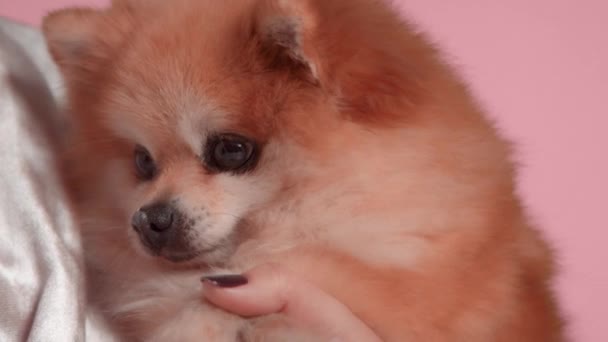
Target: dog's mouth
[(178, 251), (173, 250)]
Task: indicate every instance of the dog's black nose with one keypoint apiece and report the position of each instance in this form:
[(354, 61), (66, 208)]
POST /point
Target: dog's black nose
[(154, 224), (157, 217)]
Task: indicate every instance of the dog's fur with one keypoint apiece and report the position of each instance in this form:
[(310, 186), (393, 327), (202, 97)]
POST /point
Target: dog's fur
[(380, 180)]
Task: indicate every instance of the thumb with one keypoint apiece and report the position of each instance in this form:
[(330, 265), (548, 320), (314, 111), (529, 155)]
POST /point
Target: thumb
[(271, 289)]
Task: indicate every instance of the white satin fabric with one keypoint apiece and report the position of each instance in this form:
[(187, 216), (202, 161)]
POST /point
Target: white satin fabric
[(41, 274)]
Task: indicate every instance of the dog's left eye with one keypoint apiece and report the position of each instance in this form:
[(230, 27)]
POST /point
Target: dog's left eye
[(144, 164), (230, 152)]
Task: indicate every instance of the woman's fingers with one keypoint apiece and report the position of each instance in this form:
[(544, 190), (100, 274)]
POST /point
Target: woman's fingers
[(270, 289)]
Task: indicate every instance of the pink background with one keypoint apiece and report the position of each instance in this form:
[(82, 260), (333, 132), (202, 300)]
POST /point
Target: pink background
[(541, 68)]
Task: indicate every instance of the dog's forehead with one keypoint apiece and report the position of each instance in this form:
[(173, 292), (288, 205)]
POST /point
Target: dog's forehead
[(167, 116), (184, 94), (170, 121), (195, 122)]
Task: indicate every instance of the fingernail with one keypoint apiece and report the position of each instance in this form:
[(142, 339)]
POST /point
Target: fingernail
[(226, 280)]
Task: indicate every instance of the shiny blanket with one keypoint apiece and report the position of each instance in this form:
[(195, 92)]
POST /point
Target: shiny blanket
[(41, 278)]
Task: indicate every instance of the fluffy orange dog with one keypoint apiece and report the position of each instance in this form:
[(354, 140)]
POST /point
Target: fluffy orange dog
[(214, 136)]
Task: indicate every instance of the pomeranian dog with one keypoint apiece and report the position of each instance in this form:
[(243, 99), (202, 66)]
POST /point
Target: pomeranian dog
[(324, 135)]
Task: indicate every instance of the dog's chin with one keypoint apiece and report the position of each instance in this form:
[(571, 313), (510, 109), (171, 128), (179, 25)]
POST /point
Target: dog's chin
[(188, 258), (180, 257)]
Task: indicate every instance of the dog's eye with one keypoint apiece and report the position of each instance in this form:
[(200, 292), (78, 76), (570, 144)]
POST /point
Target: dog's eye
[(230, 152), (144, 164)]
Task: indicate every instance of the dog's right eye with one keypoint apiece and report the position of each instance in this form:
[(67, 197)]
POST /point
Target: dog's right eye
[(230, 153), (144, 163)]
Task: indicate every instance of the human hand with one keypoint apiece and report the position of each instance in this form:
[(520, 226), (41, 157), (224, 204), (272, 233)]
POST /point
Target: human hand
[(271, 289)]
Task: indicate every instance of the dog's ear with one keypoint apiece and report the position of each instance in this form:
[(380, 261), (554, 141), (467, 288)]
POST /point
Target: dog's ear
[(359, 51), (82, 40), (71, 34), (284, 30)]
